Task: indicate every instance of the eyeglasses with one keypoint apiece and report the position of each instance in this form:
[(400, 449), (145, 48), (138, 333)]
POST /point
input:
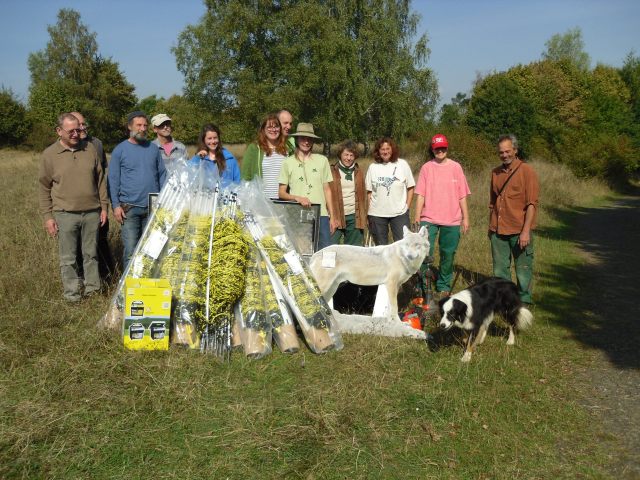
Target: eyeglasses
[(77, 131), (272, 127), (164, 126)]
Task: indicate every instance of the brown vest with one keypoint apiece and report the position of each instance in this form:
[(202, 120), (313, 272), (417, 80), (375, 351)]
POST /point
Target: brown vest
[(361, 197)]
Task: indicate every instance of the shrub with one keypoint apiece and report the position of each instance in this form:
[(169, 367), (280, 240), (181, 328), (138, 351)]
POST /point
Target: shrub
[(14, 123), (472, 151)]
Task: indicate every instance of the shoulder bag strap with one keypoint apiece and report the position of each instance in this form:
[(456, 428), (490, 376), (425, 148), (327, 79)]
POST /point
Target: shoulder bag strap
[(504, 185)]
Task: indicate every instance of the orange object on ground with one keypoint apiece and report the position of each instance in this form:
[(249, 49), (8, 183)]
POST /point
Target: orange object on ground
[(412, 319)]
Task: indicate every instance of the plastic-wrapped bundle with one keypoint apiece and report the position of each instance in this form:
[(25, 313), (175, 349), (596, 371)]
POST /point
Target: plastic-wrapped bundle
[(284, 331), (255, 322), (295, 280), (227, 262), (147, 256), (171, 202), (192, 264), (170, 258)]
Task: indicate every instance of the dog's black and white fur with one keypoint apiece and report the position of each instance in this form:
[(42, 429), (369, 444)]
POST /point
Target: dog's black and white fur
[(473, 310)]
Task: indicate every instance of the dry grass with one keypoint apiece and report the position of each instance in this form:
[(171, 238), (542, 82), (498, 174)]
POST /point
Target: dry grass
[(74, 404)]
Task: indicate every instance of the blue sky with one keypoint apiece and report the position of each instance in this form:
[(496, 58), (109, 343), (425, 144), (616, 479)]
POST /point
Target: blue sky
[(466, 37)]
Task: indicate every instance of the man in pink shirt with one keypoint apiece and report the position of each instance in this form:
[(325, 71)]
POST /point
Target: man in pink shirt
[(441, 204)]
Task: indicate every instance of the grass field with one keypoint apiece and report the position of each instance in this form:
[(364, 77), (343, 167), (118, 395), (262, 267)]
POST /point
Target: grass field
[(74, 404)]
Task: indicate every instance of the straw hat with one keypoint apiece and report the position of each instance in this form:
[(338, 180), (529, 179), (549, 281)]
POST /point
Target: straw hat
[(305, 130)]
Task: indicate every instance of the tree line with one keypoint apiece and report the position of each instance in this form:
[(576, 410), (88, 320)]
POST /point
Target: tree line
[(562, 109), (354, 69)]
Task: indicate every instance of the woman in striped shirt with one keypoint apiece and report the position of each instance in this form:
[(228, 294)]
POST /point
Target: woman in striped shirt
[(264, 157)]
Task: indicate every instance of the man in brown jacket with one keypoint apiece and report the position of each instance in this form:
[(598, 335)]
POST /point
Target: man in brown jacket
[(74, 202), (513, 206)]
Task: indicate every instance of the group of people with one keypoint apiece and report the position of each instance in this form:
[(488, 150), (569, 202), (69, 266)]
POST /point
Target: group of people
[(75, 191)]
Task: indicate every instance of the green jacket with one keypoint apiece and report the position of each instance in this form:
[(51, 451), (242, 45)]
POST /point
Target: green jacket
[(291, 145), (252, 162)]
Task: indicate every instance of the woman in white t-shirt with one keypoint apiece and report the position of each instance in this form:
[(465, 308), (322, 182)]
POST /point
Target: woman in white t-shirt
[(264, 157), (389, 184)]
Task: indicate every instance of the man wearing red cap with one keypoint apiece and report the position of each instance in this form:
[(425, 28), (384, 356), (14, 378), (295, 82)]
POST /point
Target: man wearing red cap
[(441, 205), (513, 205)]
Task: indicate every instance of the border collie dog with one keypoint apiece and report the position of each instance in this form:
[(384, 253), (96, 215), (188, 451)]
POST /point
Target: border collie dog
[(473, 309)]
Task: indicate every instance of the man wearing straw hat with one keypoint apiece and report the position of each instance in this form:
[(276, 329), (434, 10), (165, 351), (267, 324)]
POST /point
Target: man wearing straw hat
[(307, 175)]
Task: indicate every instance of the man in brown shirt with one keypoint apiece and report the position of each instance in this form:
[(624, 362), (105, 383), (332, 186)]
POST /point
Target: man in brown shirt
[(513, 208), (74, 202)]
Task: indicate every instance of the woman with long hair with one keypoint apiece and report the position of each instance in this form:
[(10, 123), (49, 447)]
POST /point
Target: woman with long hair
[(390, 185), (216, 157), (264, 157)]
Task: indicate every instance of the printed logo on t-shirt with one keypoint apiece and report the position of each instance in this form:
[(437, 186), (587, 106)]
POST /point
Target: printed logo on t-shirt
[(386, 182)]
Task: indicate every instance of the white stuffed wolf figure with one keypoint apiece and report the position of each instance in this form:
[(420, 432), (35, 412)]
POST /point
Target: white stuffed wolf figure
[(388, 265)]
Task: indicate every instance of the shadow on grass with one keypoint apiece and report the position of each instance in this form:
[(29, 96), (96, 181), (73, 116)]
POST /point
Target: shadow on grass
[(596, 299)]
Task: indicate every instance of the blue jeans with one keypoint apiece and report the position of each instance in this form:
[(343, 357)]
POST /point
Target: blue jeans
[(324, 239), (131, 231)]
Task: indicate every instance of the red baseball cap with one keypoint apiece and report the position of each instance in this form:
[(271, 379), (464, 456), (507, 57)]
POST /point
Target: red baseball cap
[(439, 141)]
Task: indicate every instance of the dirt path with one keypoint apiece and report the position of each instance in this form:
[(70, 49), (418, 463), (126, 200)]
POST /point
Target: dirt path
[(609, 239)]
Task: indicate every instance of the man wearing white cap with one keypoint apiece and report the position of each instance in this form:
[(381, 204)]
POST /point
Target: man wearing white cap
[(170, 149)]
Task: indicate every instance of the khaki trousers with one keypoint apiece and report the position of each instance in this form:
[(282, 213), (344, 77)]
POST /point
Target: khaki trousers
[(78, 228)]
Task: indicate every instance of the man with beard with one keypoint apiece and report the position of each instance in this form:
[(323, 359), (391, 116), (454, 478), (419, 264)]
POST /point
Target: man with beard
[(135, 171), (513, 206), (106, 264), (74, 202)]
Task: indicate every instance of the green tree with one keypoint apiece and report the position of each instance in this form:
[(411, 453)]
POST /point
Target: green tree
[(630, 74), (607, 105), (14, 124), (70, 74), (499, 106), (187, 118), (351, 68), (149, 104), (568, 46), (557, 91), (453, 114)]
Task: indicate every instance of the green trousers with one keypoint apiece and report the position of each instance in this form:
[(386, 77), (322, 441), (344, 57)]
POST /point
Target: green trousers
[(503, 249), (349, 235), (448, 238)]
